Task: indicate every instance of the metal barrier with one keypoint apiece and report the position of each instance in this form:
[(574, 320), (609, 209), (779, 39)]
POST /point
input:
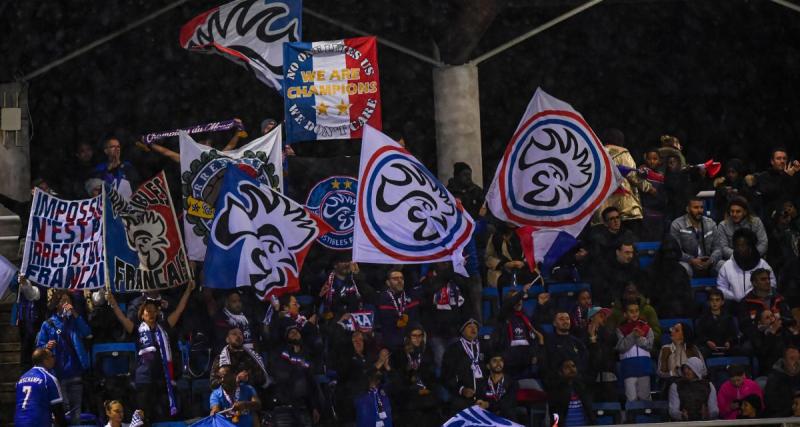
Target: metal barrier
[(784, 422)]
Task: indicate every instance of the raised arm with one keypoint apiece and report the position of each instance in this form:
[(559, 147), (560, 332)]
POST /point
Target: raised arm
[(173, 318), (126, 323)]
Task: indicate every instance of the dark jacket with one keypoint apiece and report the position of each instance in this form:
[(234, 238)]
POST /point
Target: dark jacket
[(295, 380), (407, 380), (388, 315), (561, 347), (559, 393), (611, 278), (751, 306), (719, 329), (602, 353), (457, 374), (241, 361), (502, 398), (445, 302), (780, 390)]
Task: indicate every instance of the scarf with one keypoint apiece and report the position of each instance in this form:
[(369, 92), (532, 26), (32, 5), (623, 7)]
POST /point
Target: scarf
[(521, 316), (161, 344), (225, 359), (152, 137), (448, 297), (348, 288), (628, 327)]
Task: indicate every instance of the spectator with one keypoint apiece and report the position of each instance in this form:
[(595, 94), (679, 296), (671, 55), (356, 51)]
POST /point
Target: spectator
[(738, 217), (605, 238), (668, 283), (414, 381), (287, 314), (462, 188), (716, 328), (63, 334), (776, 182), (373, 408), (762, 296), (232, 316), (785, 236), (396, 309), (496, 392), (615, 274), (118, 173), (736, 388), (695, 234), (445, 303), (115, 411), (245, 363), (505, 259), (80, 171), (461, 367), (23, 208), (629, 295), (570, 400), (767, 339), (235, 395), (673, 356), (352, 364), (734, 279), (634, 343), (601, 344), (561, 345), (153, 375), (579, 314), (522, 346), (345, 290), (31, 312), (654, 203), (39, 398), (730, 186), (693, 397), (299, 401), (750, 407), (783, 382)]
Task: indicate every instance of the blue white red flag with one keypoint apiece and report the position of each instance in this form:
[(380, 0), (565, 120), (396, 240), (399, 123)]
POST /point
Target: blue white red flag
[(553, 175), (258, 238), (331, 89), (478, 417), (248, 32), (404, 215)]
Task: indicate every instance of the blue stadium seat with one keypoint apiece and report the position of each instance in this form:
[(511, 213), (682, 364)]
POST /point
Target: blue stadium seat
[(489, 301), (608, 413), (305, 300), (485, 332), (547, 328), (646, 411), (563, 294), (646, 252), (114, 359), (718, 368), (704, 282)]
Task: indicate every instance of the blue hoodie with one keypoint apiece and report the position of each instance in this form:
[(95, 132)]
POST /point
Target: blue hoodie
[(68, 333)]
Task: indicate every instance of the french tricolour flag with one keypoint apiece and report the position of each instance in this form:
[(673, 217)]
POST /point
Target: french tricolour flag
[(331, 89)]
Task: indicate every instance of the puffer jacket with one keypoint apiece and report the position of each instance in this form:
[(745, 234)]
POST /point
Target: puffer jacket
[(728, 394), (626, 199)]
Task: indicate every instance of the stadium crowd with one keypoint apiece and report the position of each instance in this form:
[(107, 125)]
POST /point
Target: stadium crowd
[(669, 306)]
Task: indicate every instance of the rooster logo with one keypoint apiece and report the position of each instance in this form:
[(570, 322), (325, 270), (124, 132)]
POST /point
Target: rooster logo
[(146, 235)]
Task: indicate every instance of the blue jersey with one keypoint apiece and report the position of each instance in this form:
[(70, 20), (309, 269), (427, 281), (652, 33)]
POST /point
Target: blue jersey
[(245, 393), (37, 390)]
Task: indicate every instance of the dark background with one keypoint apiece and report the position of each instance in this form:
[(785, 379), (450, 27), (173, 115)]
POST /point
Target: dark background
[(722, 75)]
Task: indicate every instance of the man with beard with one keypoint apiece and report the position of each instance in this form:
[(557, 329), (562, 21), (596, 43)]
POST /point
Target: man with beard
[(297, 397), (397, 308), (738, 217), (461, 367), (497, 393), (563, 345), (244, 362), (232, 316), (734, 277), (445, 303), (695, 234)]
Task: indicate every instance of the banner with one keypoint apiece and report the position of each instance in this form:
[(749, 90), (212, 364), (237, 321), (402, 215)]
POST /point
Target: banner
[(553, 175), (248, 32), (64, 243), (144, 249), (150, 138), (478, 417), (259, 237), (404, 214), (202, 170), (330, 89), (328, 186)]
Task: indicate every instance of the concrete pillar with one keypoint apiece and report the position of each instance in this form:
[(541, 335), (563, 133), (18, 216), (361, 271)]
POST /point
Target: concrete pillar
[(458, 120), (15, 156)]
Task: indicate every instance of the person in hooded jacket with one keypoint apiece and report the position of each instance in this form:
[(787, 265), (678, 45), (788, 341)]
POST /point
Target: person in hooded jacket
[(413, 379), (736, 388), (738, 217), (693, 397), (782, 384), (521, 344), (669, 283), (734, 276)]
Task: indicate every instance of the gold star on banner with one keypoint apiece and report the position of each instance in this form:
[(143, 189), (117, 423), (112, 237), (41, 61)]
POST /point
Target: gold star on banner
[(335, 184), (343, 108), (348, 184), (322, 109)]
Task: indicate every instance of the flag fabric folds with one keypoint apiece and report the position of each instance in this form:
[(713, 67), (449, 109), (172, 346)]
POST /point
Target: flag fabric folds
[(258, 238), (553, 175), (64, 243), (404, 214), (476, 416), (144, 248), (249, 32), (202, 170), (331, 89)]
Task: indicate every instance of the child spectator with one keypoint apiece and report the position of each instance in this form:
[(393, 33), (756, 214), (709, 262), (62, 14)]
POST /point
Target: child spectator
[(654, 202), (693, 397), (750, 407), (736, 388), (634, 343), (716, 328)]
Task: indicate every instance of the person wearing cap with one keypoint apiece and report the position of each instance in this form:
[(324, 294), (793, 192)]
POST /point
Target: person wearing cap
[(693, 397), (298, 398), (397, 308), (600, 343), (462, 366), (738, 216), (521, 344), (497, 393)]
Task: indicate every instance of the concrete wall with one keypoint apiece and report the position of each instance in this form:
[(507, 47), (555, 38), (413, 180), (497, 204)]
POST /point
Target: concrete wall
[(15, 160)]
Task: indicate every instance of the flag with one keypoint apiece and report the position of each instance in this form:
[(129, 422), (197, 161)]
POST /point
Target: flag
[(202, 170), (553, 175), (331, 89), (8, 275), (143, 241), (404, 214), (216, 420), (478, 417), (64, 243), (249, 32), (258, 238)]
